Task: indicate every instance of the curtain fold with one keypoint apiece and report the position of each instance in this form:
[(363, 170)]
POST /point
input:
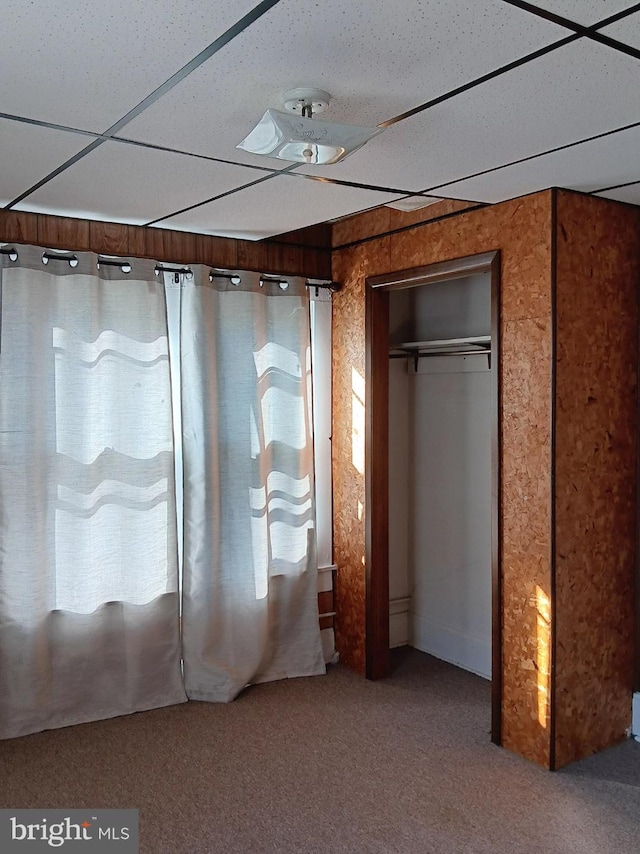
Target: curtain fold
[(249, 608), (89, 589), (89, 623)]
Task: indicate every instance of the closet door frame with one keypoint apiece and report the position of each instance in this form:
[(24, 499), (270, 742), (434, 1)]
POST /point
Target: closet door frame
[(378, 289)]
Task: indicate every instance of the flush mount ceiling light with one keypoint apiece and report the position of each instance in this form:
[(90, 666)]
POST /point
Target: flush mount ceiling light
[(298, 137)]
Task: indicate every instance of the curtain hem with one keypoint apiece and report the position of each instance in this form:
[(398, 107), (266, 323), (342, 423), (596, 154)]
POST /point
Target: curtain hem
[(225, 697), (98, 715)]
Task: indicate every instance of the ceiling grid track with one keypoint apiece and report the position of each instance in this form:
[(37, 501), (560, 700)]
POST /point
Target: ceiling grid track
[(615, 187), (591, 32), (219, 196), (579, 31), (430, 190), (576, 32), (157, 93)]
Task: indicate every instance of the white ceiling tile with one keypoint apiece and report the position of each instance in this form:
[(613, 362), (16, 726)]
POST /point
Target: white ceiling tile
[(377, 59), (126, 183), (577, 91), (586, 12), (29, 153), (283, 203), (627, 31), (624, 194), (87, 64), (604, 162)]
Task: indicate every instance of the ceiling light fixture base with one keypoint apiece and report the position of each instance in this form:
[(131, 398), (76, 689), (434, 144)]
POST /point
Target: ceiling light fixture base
[(305, 99), (301, 138)]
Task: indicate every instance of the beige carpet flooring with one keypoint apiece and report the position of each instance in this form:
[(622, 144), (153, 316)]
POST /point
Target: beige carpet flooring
[(332, 764)]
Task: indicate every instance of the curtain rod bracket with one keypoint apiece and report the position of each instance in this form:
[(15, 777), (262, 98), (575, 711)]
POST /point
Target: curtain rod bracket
[(323, 283)]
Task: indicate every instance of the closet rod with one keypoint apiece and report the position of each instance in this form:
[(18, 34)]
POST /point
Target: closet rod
[(418, 355)]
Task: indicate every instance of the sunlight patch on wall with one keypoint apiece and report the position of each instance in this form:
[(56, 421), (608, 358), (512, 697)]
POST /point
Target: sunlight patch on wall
[(543, 653), (357, 421)]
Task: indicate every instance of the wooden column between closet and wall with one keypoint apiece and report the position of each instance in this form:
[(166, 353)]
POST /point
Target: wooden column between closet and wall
[(570, 265)]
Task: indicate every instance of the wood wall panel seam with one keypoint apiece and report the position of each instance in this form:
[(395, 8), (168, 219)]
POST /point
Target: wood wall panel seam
[(636, 673), (63, 233), (496, 502), (19, 227), (552, 587), (111, 237)]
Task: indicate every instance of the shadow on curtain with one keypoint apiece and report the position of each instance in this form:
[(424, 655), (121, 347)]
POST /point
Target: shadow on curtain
[(88, 576), (250, 569)]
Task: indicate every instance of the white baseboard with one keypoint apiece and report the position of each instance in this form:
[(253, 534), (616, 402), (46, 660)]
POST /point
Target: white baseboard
[(470, 653), (399, 622), (635, 717)]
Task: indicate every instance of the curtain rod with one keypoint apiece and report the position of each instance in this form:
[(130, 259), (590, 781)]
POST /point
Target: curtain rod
[(235, 278), (274, 279), (177, 271), (69, 257), (125, 266), (323, 283)]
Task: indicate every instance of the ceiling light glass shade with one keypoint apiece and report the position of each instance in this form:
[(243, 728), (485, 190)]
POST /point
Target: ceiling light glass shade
[(304, 140)]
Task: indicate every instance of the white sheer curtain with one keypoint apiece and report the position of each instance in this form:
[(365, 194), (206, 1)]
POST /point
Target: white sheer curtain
[(89, 623), (250, 609)]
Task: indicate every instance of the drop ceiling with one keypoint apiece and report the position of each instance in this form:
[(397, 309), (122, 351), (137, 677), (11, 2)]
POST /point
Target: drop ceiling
[(131, 111)]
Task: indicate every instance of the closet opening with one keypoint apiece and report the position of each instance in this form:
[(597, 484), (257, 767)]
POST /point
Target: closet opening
[(432, 464)]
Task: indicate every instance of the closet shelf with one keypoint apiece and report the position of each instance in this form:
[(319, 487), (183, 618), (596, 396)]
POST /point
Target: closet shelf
[(443, 347)]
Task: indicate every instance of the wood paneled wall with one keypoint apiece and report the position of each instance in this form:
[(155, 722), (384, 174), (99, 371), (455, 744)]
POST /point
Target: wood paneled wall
[(303, 253), (597, 277), (532, 416), (384, 220)]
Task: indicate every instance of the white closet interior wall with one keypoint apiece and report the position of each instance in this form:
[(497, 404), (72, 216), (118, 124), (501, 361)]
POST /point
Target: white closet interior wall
[(440, 476)]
